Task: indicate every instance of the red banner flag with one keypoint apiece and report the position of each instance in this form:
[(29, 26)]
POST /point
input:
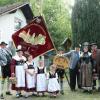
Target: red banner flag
[(34, 38)]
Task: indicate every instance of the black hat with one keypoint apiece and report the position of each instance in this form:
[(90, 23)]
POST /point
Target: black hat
[(78, 45), (19, 48), (93, 44), (3, 43), (86, 44)]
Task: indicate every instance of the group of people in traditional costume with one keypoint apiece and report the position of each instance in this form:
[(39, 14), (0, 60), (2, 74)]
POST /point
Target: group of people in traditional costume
[(25, 77), (31, 79), (84, 67)]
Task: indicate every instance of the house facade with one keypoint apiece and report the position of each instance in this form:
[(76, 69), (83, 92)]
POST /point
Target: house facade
[(13, 18)]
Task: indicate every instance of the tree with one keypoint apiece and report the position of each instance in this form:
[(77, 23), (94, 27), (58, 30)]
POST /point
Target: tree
[(86, 21), (8, 2), (56, 16), (58, 20)]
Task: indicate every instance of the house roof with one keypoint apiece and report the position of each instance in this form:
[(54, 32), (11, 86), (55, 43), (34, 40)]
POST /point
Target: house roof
[(25, 8)]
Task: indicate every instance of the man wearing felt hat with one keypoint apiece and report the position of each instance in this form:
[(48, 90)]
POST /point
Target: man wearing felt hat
[(17, 70), (3, 43), (96, 58), (6, 68)]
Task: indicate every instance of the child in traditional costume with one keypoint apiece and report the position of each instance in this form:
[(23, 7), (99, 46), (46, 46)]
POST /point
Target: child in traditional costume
[(41, 86), (30, 75), (17, 71), (53, 85)]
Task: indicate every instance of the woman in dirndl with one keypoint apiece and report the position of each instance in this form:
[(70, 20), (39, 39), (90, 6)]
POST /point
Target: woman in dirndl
[(53, 85), (86, 69), (41, 84), (17, 71), (30, 75)]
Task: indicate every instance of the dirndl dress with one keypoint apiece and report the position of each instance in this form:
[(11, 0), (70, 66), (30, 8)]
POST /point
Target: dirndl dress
[(30, 80), (53, 85), (41, 80)]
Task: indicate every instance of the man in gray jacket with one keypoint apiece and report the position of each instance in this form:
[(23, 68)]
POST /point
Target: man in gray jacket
[(6, 55), (73, 69), (3, 62)]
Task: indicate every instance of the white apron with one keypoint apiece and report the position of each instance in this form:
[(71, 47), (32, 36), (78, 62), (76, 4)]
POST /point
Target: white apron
[(53, 84), (20, 72), (30, 80), (41, 82)]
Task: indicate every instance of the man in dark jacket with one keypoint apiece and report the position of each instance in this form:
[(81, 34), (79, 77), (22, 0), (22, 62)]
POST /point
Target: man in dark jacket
[(96, 57)]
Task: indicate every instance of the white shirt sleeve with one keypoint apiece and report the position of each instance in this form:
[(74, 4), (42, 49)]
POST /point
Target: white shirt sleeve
[(56, 75), (45, 71), (47, 76), (25, 66), (36, 70)]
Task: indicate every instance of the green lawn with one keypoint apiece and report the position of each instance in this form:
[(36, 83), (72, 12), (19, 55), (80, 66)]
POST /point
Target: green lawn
[(78, 95)]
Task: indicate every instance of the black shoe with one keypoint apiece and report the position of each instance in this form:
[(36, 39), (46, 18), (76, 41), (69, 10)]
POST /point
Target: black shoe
[(99, 89), (8, 93), (85, 91), (62, 92), (1, 96), (17, 95), (94, 88), (33, 94), (79, 87), (20, 94), (90, 91), (73, 90)]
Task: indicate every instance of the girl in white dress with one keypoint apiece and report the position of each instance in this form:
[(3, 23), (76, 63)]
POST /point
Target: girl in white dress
[(30, 75), (41, 86), (53, 85)]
